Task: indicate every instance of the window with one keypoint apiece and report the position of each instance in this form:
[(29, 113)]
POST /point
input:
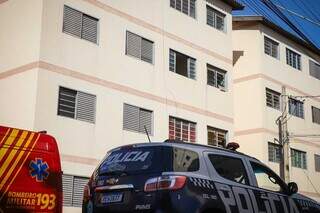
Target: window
[(73, 190), (77, 105), (215, 18), (139, 47), (298, 159), (137, 119), (315, 115), (274, 152), (271, 47), (182, 129), (314, 69), (293, 59), (296, 108), (80, 25), (184, 160), (182, 64), (229, 168), (317, 163), (217, 137), (266, 179), (216, 77), (187, 7), (272, 99)]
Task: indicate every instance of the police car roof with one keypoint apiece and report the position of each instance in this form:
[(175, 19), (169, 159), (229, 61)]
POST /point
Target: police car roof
[(203, 147)]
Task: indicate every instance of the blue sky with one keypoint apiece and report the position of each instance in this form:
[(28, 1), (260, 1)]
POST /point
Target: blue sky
[(307, 8)]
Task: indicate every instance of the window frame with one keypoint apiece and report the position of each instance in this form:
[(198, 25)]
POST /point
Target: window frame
[(304, 159), (295, 61), (273, 94), (75, 117), (298, 114), (214, 18), (316, 73), (188, 61), (141, 40), (315, 110), (181, 129), (139, 121), (274, 154), (217, 71), (272, 44), (181, 9), (217, 131), (82, 14), (317, 157)]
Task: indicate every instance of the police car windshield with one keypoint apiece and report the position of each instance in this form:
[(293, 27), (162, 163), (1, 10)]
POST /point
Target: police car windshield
[(125, 161)]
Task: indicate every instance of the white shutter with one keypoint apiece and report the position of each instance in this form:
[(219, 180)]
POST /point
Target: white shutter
[(67, 184), (210, 16), (147, 51), (72, 21), (130, 117), (314, 69), (145, 120), (90, 28), (133, 45), (192, 68), (172, 60), (78, 187), (178, 5), (86, 107), (317, 162)]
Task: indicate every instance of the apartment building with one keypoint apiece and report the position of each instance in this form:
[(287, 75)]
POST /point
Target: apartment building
[(266, 59), (97, 73)]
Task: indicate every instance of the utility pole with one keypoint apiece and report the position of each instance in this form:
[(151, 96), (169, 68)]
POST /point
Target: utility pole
[(283, 137)]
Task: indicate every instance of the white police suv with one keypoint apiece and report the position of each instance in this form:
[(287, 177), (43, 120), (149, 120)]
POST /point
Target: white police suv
[(184, 177)]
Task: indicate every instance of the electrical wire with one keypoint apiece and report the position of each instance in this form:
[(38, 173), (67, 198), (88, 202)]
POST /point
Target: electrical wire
[(306, 6)]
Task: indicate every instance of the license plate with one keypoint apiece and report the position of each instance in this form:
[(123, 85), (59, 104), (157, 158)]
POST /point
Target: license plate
[(111, 198)]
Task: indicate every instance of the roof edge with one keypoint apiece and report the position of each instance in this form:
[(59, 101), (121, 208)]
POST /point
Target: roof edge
[(278, 29)]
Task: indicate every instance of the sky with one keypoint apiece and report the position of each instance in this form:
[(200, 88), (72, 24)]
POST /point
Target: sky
[(310, 9)]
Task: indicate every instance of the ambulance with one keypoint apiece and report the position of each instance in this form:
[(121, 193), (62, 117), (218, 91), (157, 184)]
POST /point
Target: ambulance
[(30, 172)]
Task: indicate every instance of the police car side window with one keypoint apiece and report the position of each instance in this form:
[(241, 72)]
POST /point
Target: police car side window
[(266, 179), (229, 168), (185, 160)]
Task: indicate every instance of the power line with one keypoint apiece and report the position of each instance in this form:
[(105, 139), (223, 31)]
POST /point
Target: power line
[(298, 15), (306, 6)]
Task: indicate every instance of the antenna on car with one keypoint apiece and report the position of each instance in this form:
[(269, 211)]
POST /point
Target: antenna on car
[(145, 129)]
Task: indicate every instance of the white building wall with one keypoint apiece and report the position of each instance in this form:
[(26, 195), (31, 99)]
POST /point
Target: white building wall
[(255, 122)]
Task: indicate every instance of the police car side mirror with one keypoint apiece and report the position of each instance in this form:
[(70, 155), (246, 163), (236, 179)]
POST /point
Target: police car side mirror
[(292, 188)]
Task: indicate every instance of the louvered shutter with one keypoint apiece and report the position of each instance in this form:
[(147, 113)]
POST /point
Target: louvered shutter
[(192, 68), (67, 102), (147, 51), (315, 115), (220, 22), (185, 6), (86, 107), (133, 45), (314, 69), (90, 28), (67, 184), (72, 21), (172, 3), (145, 120), (193, 8), (178, 5), (130, 117), (78, 187)]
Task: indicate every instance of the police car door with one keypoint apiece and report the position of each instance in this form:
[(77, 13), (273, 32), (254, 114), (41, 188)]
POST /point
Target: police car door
[(270, 193), (231, 180)]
